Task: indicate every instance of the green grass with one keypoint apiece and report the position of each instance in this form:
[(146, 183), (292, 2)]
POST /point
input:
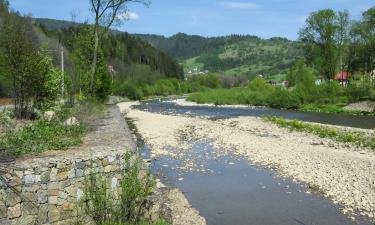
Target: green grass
[(41, 136), (332, 108), (359, 139)]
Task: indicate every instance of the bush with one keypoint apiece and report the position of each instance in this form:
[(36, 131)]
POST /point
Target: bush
[(99, 200), (283, 98), (329, 93), (356, 93)]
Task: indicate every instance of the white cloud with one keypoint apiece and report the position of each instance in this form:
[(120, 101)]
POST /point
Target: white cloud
[(240, 5), (128, 15)]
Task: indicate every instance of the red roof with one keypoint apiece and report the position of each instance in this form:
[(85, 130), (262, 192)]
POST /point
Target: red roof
[(343, 75)]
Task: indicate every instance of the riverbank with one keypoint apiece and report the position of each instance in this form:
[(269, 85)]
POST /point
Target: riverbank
[(342, 172)]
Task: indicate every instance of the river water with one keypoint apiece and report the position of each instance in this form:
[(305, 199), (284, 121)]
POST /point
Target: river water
[(169, 106), (231, 190)]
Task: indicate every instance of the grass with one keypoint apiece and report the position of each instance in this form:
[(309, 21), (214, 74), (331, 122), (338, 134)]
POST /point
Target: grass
[(333, 108), (359, 139), (42, 135)]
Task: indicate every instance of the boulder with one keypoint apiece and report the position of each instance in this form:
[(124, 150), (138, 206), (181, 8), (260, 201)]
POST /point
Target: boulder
[(72, 121), (49, 115)]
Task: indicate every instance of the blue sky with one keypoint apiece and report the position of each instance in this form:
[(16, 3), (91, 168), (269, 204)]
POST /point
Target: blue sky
[(264, 18)]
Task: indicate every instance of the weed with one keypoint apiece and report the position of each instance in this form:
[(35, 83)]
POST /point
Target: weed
[(360, 139), (108, 207)]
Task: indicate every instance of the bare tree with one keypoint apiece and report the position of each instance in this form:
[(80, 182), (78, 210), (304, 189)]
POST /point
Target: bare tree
[(106, 13)]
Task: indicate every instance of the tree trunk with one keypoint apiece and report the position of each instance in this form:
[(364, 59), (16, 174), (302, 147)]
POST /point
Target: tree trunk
[(94, 61)]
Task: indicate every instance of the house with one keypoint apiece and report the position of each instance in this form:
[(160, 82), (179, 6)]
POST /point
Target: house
[(343, 78)]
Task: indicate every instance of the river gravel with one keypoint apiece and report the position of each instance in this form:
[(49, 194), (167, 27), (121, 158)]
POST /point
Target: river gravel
[(343, 173)]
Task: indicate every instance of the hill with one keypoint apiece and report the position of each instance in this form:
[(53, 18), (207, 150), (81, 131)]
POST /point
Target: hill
[(126, 53), (234, 54)]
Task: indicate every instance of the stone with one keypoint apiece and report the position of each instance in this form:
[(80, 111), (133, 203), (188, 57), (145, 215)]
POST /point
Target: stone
[(80, 173), (42, 196), (53, 174), (62, 175), (81, 165), (66, 214), (54, 214), (79, 194), (14, 212), (43, 214), (52, 200), (12, 199), (26, 220), (48, 115), (29, 179), (53, 192), (44, 177), (68, 206), (71, 173), (29, 208), (3, 210), (29, 197), (108, 169), (72, 121), (61, 165), (53, 186), (63, 195), (5, 222)]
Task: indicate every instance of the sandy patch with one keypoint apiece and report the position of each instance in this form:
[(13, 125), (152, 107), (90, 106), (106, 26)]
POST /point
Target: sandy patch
[(366, 106)]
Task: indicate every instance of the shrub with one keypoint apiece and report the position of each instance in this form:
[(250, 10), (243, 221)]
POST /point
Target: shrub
[(282, 98), (135, 187)]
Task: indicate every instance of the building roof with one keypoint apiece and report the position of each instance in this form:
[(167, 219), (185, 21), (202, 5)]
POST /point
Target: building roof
[(343, 75)]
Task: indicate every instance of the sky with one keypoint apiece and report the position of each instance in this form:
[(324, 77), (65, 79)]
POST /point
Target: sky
[(263, 18)]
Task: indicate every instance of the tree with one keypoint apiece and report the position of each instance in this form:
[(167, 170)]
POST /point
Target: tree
[(363, 42), (319, 36), (28, 68), (342, 37), (106, 13)]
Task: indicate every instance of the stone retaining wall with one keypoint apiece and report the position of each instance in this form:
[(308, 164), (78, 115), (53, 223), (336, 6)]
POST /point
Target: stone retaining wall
[(45, 189)]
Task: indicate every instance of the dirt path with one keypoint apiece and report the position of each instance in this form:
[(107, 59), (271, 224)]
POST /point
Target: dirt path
[(343, 173)]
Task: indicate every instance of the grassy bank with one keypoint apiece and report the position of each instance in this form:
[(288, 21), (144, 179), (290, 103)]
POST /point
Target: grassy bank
[(41, 134), (360, 139), (332, 108), (329, 97)]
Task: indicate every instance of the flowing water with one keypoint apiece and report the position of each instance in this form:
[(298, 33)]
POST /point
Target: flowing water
[(169, 106), (228, 189)]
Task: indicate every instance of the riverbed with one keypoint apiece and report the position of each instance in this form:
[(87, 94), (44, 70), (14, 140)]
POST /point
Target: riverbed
[(237, 169)]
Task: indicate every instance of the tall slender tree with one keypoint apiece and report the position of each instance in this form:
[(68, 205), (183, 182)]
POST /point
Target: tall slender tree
[(106, 13)]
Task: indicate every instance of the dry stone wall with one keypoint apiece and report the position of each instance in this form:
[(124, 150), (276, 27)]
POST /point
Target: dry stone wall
[(46, 189)]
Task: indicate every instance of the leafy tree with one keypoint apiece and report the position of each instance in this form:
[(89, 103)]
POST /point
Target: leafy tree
[(81, 57), (319, 36), (29, 68), (342, 37), (363, 43)]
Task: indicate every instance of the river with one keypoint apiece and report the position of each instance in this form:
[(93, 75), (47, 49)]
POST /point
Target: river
[(230, 189)]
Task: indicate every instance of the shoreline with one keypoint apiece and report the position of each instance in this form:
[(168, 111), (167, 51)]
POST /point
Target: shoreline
[(341, 172), (348, 110)]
